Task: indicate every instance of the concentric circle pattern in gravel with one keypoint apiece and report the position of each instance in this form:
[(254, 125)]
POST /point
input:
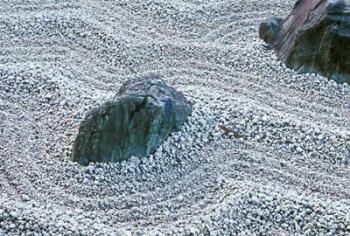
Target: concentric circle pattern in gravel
[(288, 174)]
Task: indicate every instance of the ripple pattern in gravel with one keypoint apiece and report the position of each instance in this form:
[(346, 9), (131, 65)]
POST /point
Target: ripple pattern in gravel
[(287, 174)]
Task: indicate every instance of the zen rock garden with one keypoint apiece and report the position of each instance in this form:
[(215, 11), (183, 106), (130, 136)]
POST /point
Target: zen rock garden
[(184, 118)]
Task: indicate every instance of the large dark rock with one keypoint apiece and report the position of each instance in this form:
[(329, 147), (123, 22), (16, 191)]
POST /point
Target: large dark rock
[(315, 37), (143, 113)]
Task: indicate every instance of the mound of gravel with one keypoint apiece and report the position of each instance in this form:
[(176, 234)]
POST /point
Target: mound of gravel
[(288, 174)]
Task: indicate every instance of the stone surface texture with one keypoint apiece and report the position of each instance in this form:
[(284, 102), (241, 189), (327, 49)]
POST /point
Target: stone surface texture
[(142, 115)]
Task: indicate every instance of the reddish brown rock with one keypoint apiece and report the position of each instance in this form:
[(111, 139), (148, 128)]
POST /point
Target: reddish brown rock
[(315, 37)]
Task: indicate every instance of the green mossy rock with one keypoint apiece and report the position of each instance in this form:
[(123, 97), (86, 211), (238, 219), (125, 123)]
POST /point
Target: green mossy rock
[(140, 117)]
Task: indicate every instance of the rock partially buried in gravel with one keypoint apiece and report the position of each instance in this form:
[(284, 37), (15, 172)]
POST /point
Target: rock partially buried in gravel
[(315, 37), (143, 113)]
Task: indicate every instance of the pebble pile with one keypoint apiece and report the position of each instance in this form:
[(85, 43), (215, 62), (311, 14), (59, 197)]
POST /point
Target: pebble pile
[(287, 172)]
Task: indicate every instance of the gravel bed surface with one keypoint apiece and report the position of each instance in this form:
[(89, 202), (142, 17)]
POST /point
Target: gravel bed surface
[(286, 172)]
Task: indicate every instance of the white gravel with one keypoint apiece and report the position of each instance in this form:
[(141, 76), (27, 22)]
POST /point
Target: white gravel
[(288, 174)]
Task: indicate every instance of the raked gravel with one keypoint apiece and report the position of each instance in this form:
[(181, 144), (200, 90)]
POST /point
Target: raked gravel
[(288, 174)]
